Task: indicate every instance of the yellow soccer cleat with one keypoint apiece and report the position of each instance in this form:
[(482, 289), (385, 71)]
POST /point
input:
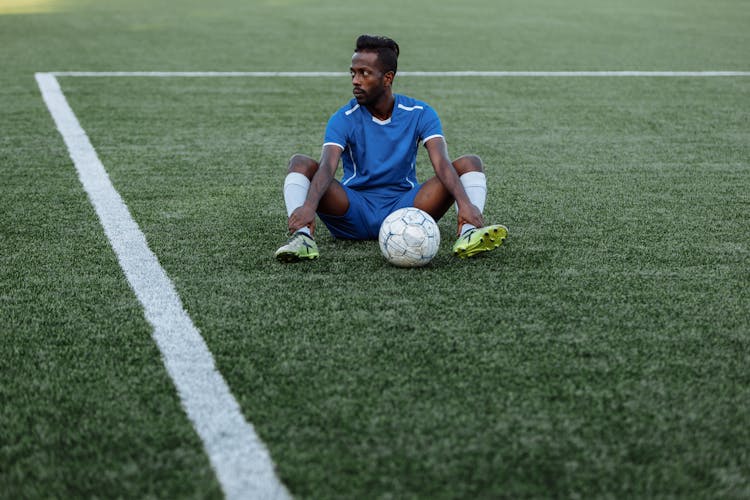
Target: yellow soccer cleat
[(299, 247), (480, 239)]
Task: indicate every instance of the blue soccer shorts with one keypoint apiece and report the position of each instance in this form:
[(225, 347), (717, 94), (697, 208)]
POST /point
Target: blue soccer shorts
[(367, 210)]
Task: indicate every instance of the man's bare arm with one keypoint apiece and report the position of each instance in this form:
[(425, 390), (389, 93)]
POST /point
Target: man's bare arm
[(321, 181), (438, 153)]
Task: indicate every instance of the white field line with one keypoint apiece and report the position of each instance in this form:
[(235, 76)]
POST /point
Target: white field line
[(241, 461), (319, 74)]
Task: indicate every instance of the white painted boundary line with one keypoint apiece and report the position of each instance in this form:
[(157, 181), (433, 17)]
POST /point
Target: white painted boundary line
[(242, 463), (319, 74)]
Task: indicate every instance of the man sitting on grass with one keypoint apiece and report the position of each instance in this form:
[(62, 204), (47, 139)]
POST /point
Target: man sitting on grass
[(376, 136)]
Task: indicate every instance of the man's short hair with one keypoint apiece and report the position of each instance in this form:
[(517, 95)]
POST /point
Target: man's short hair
[(386, 48)]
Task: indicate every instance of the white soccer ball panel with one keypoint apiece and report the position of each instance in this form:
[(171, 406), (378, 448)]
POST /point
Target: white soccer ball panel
[(397, 226), (393, 247), (414, 236), (412, 217)]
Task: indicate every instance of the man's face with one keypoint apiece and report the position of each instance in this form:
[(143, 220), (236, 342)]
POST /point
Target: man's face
[(368, 78)]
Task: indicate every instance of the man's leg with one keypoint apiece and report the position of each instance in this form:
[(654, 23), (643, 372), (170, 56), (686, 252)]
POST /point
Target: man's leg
[(300, 172), (436, 200), (297, 182), (301, 245)]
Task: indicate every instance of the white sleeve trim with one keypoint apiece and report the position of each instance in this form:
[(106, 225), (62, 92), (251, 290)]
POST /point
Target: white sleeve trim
[(424, 141), (334, 144)]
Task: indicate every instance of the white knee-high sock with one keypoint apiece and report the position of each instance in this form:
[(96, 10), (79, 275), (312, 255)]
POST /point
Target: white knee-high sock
[(296, 186), (475, 185)]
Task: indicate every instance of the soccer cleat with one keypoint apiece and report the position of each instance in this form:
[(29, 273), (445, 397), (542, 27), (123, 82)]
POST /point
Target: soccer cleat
[(478, 240), (299, 247)]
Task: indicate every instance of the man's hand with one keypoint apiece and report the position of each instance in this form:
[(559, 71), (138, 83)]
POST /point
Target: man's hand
[(469, 214), (301, 217)]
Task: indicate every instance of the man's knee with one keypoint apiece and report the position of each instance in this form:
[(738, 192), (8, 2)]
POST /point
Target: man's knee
[(468, 163), (303, 165)]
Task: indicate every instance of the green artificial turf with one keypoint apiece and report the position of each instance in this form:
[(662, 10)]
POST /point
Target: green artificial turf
[(602, 353)]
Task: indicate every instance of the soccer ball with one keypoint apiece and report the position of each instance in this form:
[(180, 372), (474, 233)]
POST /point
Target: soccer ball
[(409, 237)]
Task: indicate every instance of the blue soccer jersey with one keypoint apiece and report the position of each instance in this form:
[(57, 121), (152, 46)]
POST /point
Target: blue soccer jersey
[(382, 155)]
